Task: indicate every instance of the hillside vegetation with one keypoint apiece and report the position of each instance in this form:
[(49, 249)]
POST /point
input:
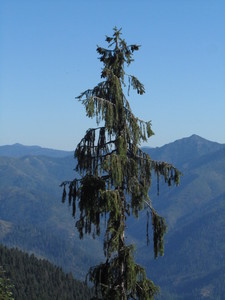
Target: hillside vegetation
[(33, 279), (193, 267)]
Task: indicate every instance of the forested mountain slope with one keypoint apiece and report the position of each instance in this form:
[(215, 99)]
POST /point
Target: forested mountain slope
[(34, 279), (32, 216), (193, 266)]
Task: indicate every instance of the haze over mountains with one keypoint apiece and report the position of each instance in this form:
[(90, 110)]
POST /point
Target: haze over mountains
[(33, 218), (19, 150)]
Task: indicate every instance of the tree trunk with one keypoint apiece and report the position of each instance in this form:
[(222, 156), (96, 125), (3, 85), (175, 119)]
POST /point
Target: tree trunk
[(121, 249)]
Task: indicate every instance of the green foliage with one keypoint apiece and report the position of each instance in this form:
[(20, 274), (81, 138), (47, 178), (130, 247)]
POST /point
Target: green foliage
[(5, 286), (159, 229), (116, 176), (137, 286), (36, 279)]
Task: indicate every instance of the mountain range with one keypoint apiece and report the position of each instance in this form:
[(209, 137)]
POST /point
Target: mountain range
[(33, 218)]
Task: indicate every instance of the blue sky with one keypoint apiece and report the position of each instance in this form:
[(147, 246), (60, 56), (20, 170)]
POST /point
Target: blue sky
[(48, 56)]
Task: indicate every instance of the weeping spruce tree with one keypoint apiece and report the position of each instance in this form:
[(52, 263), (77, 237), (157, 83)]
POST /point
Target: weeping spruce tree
[(115, 176)]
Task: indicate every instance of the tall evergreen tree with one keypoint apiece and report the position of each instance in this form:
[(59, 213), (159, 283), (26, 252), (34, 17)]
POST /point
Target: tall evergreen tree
[(115, 176)]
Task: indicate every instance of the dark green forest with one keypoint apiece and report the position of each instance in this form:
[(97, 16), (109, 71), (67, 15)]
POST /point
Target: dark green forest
[(33, 278)]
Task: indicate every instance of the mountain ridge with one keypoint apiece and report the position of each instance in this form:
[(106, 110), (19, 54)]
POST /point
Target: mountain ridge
[(196, 142), (19, 150), (34, 219), (181, 150)]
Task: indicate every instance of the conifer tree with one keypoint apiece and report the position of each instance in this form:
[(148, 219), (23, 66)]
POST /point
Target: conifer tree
[(115, 176)]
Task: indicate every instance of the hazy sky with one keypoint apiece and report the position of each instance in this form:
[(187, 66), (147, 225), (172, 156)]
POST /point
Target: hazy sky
[(48, 56)]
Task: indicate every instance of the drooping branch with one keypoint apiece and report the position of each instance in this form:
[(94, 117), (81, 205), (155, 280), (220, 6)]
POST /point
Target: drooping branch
[(103, 110), (136, 84), (166, 170)]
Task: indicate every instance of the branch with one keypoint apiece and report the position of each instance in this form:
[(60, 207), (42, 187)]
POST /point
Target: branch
[(109, 142), (102, 156), (149, 205), (109, 102)]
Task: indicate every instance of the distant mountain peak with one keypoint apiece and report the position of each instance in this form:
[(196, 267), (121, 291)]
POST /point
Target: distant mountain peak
[(199, 141), (197, 138), (185, 149)]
